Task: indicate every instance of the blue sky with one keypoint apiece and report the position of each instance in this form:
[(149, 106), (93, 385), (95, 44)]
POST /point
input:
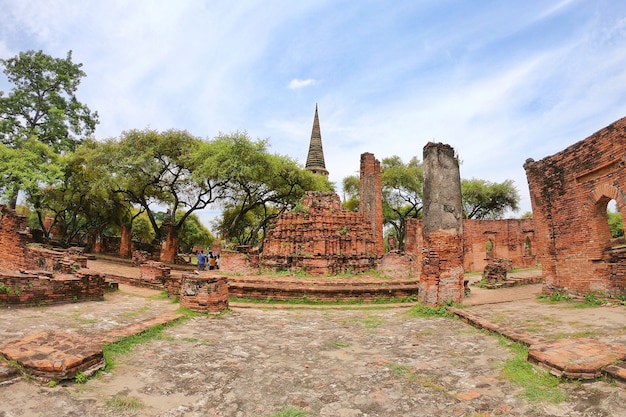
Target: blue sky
[(500, 81)]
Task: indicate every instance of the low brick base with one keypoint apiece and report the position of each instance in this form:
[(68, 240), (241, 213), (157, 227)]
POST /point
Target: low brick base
[(35, 289), (356, 289), (204, 294)]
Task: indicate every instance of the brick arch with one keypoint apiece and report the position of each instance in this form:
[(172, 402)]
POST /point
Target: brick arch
[(606, 191), (598, 200)]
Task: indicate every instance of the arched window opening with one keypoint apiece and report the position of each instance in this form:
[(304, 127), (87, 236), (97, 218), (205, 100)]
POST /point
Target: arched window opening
[(527, 247), (489, 249), (614, 220)]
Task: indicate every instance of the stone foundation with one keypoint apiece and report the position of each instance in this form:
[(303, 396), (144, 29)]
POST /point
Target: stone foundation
[(204, 294), (35, 289), (154, 273)]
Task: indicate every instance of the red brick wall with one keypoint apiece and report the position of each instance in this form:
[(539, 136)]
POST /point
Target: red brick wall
[(569, 193), (154, 272), (325, 239), (31, 290), (371, 202), (232, 262), (508, 237), (397, 265), (204, 294), (13, 239)]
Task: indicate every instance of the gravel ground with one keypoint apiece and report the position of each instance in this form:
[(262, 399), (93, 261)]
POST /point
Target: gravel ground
[(256, 362)]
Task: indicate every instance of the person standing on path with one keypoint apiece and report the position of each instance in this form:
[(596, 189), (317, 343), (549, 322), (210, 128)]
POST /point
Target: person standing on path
[(201, 261)]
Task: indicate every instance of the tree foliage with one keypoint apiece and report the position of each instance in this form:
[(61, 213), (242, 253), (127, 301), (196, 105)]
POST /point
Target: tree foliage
[(402, 185), (153, 169), (42, 107), (402, 193), (615, 224), (43, 102), (258, 185), (487, 200)]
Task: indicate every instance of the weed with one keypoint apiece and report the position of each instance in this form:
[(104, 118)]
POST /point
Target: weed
[(125, 345), (52, 383), (120, 404), (421, 310), (290, 411), (555, 297), (403, 371), (80, 377), (592, 299), (136, 313), (538, 385), (163, 295), (372, 322), (336, 344)]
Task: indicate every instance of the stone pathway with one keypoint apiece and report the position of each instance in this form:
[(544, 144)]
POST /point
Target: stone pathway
[(331, 362)]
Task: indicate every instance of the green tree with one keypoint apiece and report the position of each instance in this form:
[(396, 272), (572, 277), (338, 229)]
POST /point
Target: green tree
[(194, 233), (487, 200), (162, 169), (80, 206), (351, 186), (42, 105), (258, 185), (401, 190), (615, 224), (402, 193)]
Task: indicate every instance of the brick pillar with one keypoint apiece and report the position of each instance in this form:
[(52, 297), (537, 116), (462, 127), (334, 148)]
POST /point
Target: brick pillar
[(441, 279), (126, 242), (169, 249), (371, 204)]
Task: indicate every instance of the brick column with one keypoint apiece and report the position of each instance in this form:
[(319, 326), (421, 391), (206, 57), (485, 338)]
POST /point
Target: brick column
[(441, 278), (371, 204)]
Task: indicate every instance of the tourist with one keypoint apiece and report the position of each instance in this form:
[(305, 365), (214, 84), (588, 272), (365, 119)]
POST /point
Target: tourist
[(217, 261), (201, 261), (212, 262)]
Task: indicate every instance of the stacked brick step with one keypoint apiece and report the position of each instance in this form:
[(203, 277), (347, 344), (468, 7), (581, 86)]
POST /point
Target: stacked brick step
[(359, 289)]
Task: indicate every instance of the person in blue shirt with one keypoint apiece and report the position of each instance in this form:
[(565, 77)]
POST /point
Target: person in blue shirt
[(201, 261)]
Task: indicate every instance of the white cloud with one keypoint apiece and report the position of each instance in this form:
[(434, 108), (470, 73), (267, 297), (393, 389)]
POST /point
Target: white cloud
[(297, 83)]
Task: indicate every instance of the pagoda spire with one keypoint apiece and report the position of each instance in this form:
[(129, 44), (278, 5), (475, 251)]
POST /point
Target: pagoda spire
[(315, 158)]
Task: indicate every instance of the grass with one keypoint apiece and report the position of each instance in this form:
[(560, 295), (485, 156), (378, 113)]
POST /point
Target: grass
[(537, 384), (404, 372), (305, 300), (372, 322), (337, 344), (125, 345), (421, 310), (123, 404), (136, 313), (290, 411)]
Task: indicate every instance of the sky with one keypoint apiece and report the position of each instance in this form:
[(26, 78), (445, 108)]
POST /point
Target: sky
[(499, 81)]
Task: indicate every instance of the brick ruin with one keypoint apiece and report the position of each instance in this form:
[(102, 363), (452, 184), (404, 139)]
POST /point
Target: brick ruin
[(486, 240), (31, 275), (204, 293), (325, 239), (442, 275), (569, 193)]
